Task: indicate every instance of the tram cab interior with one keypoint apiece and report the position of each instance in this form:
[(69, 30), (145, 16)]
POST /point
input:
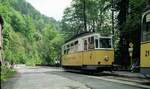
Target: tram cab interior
[(88, 51)]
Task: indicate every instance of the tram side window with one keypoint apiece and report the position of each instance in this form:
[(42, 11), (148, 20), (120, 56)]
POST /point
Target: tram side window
[(71, 44), (91, 43), (68, 49), (64, 49), (85, 44), (76, 46), (105, 42), (65, 52), (76, 42), (72, 50)]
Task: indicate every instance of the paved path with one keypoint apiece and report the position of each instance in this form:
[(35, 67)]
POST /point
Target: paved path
[(35, 78), (56, 78)]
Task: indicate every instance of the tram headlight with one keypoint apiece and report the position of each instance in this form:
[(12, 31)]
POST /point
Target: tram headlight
[(106, 58)]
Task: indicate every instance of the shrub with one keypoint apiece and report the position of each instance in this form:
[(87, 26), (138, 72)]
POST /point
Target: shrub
[(6, 72)]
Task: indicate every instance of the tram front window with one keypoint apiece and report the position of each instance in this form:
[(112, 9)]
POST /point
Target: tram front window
[(105, 42), (146, 28)]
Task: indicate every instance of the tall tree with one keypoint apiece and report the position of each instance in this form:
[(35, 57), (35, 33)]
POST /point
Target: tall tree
[(129, 26), (123, 6), (88, 16), (29, 38)]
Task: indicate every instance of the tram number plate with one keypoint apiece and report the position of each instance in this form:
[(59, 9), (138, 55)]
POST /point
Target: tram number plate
[(147, 53)]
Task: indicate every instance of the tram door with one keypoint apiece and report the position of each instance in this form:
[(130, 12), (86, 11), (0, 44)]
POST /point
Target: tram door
[(88, 51)]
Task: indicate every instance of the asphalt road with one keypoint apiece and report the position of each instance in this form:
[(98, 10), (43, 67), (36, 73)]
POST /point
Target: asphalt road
[(57, 78)]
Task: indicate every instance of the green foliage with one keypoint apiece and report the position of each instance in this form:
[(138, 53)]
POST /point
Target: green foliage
[(6, 73), (134, 17), (97, 15), (29, 38), (129, 26)]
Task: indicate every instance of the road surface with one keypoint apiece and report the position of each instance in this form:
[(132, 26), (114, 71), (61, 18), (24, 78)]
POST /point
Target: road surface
[(57, 78)]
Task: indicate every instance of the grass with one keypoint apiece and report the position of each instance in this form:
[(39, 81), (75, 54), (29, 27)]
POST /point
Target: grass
[(6, 73)]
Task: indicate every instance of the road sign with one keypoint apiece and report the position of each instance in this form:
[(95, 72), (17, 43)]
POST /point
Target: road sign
[(131, 45)]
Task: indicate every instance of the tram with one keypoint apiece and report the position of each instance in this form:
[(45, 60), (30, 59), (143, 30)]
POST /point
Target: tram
[(89, 51), (145, 43)]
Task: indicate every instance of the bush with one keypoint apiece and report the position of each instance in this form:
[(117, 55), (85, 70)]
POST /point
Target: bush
[(6, 72)]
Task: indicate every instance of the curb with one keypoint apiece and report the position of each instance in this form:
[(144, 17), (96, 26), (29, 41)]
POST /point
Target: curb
[(137, 79)]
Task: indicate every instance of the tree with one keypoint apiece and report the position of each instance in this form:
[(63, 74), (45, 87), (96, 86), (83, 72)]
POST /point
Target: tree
[(29, 38), (129, 26), (87, 16)]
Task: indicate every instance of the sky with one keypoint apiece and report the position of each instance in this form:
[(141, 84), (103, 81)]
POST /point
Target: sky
[(51, 8)]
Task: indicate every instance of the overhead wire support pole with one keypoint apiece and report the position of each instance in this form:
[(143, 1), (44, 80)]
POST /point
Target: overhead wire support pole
[(84, 12)]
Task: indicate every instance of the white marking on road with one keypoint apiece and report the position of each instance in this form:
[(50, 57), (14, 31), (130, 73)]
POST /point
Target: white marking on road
[(122, 82)]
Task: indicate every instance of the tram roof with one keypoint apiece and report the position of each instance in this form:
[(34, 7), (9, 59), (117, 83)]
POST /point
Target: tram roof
[(82, 35), (79, 35)]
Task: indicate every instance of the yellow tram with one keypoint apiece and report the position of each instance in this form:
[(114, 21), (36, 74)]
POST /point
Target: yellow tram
[(145, 44), (89, 51)]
